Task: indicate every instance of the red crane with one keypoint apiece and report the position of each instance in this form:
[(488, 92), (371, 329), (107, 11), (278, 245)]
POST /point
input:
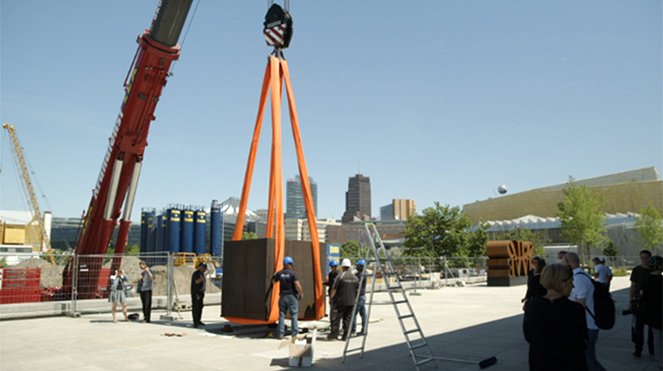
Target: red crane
[(120, 171)]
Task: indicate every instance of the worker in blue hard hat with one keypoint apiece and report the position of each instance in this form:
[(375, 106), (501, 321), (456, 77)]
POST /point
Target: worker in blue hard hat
[(289, 294), (333, 273), (361, 302)]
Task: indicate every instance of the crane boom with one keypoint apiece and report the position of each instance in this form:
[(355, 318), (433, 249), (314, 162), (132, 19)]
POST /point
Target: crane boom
[(120, 171), (29, 190)]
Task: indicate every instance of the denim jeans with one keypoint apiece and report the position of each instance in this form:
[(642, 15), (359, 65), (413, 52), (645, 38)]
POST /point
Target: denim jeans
[(590, 354), (288, 303), (361, 310)]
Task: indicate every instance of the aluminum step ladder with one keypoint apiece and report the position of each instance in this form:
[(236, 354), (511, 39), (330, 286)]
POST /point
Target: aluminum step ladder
[(417, 346)]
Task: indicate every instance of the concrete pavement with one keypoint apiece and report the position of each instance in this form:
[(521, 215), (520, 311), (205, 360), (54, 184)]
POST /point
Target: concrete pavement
[(470, 323)]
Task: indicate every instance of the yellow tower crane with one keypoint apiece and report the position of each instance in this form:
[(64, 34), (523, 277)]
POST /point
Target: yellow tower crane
[(17, 151)]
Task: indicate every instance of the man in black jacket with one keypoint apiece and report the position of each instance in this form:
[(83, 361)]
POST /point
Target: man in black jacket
[(343, 294), (198, 294)]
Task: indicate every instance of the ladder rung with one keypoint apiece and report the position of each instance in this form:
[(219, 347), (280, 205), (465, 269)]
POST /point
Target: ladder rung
[(406, 316), (412, 331), (353, 350), (420, 345), (400, 302), (425, 360)]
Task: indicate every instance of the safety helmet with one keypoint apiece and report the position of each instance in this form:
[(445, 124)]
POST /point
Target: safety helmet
[(333, 263), (361, 262), (346, 263), (288, 260)]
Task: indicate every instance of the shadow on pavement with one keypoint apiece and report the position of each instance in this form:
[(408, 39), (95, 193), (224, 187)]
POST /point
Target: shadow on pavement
[(502, 339)]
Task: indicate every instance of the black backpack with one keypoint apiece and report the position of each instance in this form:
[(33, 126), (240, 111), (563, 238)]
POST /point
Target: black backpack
[(604, 305)]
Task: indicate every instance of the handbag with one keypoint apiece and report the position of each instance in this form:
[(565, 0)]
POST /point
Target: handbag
[(139, 286), (127, 290)]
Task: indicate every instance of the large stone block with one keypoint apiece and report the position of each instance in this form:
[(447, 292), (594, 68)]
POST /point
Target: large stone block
[(248, 267)]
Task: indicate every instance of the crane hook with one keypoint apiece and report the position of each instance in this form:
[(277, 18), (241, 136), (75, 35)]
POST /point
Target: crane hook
[(278, 26)]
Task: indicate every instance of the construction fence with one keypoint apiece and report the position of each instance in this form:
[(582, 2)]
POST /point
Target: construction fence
[(33, 285)]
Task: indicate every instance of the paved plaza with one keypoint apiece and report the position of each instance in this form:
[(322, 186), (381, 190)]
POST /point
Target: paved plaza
[(469, 323)]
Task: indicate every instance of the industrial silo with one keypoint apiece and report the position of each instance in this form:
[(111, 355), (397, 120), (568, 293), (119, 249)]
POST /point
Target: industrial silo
[(216, 226), (186, 239), (150, 241), (161, 232), (173, 224), (143, 230), (200, 217)]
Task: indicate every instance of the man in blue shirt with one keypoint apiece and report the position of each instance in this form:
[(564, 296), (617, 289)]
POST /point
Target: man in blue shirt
[(290, 292)]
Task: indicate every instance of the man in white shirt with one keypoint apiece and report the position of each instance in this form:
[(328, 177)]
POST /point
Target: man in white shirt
[(583, 293), (602, 273)]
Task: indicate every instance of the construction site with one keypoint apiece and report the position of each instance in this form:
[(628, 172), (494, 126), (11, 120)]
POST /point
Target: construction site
[(422, 312)]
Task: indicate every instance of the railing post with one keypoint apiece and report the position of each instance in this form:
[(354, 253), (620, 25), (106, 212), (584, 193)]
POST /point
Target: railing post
[(74, 287), (169, 291)]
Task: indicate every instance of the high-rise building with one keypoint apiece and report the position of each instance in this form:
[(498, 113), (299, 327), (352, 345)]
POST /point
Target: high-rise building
[(358, 199), (398, 209), (294, 198), (387, 212)]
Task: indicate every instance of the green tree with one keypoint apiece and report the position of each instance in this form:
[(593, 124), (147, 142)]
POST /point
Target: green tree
[(350, 249), (442, 230), (249, 236), (521, 234), (133, 249), (611, 250), (650, 227), (582, 217)]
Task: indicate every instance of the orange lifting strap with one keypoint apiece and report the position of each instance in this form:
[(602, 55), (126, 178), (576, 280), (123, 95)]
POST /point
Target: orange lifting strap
[(275, 74)]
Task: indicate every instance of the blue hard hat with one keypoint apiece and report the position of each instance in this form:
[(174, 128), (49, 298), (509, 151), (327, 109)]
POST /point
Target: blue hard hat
[(361, 262), (333, 263), (288, 260)]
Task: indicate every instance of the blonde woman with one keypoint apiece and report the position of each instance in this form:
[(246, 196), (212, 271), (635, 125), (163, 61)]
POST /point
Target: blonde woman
[(554, 326)]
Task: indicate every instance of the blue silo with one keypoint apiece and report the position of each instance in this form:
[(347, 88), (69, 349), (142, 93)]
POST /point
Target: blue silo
[(216, 226), (173, 223), (199, 246), (186, 240)]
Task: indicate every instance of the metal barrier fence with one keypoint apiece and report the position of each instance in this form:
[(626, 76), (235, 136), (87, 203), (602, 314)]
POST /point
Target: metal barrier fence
[(34, 284)]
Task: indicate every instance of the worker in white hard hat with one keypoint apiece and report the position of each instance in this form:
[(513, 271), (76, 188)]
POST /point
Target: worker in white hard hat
[(343, 294)]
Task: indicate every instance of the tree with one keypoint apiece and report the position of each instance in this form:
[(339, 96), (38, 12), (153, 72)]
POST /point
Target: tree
[(650, 227), (582, 217), (611, 250), (521, 234), (249, 236), (350, 249), (443, 231)]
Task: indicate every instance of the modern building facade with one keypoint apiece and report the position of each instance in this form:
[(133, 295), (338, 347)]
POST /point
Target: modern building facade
[(626, 192), (399, 209), (294, 199), (297, 229), (388, 229), (358, 199), (65, 231)]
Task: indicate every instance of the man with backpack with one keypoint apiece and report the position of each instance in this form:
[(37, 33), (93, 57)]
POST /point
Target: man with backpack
[(583, 293)]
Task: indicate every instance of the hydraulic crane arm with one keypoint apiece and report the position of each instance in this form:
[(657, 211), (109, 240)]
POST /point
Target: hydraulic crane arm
[(120, 171)]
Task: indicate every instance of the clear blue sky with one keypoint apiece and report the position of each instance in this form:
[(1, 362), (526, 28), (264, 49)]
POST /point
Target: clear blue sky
[(434, 100)]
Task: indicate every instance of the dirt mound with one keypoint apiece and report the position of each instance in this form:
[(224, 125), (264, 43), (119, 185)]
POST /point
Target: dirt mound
[(51, 274)]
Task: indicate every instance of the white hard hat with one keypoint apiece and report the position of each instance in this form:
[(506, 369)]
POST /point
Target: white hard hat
[(346, 263)]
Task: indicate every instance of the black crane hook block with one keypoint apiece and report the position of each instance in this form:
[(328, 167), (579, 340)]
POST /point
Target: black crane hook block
[(278, 27)]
